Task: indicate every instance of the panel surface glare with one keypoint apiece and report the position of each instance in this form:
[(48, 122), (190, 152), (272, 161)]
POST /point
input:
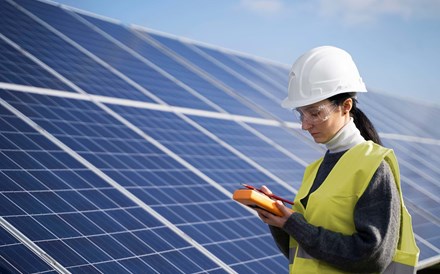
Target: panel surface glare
[(176, 69), (133, 68), (15, 68), (61, 56), (228, 78)]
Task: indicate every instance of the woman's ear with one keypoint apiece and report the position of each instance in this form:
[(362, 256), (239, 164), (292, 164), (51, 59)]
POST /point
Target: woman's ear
[(347, 105)]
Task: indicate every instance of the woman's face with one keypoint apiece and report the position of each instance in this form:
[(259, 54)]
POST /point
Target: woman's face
[(324, 119)]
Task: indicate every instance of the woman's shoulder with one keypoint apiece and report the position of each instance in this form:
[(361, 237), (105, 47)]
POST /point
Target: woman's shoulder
[(382, 182)]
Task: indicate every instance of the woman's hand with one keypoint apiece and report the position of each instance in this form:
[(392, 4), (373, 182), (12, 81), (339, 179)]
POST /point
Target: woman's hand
[(270, 218)]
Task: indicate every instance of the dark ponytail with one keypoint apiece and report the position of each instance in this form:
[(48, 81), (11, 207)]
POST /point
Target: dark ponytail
[(360, 119)]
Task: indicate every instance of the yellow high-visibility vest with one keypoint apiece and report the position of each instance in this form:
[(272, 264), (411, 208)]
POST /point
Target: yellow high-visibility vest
[(332, 206)]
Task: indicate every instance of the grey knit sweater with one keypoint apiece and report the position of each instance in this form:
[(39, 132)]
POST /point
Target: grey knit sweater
[(377, 221)]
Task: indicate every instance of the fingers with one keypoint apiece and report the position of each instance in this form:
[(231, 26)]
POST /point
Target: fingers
[(280, 204), (285, 210), (260, 213), (266, 190), (273, 220), (263, 214), (267, 217)]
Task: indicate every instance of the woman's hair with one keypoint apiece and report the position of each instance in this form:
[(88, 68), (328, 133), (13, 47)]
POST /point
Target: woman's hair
[(360, 119)]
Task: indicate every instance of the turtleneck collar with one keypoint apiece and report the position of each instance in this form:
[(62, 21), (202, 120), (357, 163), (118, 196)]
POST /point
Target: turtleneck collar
[(347, 137)]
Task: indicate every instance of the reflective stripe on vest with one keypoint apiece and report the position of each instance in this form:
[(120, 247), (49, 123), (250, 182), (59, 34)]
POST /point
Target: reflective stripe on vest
[(321, 211)]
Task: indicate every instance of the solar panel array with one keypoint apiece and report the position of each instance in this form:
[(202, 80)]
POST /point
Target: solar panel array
[(121, 147)]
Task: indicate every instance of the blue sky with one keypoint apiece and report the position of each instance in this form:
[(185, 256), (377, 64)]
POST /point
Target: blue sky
[(395, 43)]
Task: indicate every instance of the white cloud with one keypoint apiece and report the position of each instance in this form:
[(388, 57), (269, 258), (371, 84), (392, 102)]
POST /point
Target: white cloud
[(367, 11), (263, 7)]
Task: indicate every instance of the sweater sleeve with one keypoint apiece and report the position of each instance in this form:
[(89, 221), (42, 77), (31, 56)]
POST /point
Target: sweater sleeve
[(281, 238), (377, 222)]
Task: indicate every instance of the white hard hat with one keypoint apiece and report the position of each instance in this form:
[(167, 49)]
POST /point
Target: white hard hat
[(321, 73)]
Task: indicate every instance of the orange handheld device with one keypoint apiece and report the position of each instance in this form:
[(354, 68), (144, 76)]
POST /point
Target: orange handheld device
[(254, 198)]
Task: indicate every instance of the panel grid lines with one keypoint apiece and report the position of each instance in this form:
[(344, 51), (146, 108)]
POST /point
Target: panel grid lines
[(115, 166), (100, 223)]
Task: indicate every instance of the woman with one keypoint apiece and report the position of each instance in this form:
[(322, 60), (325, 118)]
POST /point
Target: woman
[(348, 215)]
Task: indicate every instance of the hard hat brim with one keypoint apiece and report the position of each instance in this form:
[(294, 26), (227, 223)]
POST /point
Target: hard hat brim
[(292, 104)]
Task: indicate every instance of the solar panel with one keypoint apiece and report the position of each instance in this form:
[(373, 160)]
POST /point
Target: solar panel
[(15, 256), (292, 140), (260, 84), (230, 78), (268, 71), (198, 84), (286, 166), (149, 78), (73, 214), (401, 122), (152, 176), (18, 69), (120, 148)]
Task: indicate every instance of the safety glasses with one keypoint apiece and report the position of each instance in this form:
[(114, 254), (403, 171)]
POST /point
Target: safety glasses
[(315, 115)]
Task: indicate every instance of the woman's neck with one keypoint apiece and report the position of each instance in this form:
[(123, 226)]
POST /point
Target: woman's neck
[(347, 137)]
